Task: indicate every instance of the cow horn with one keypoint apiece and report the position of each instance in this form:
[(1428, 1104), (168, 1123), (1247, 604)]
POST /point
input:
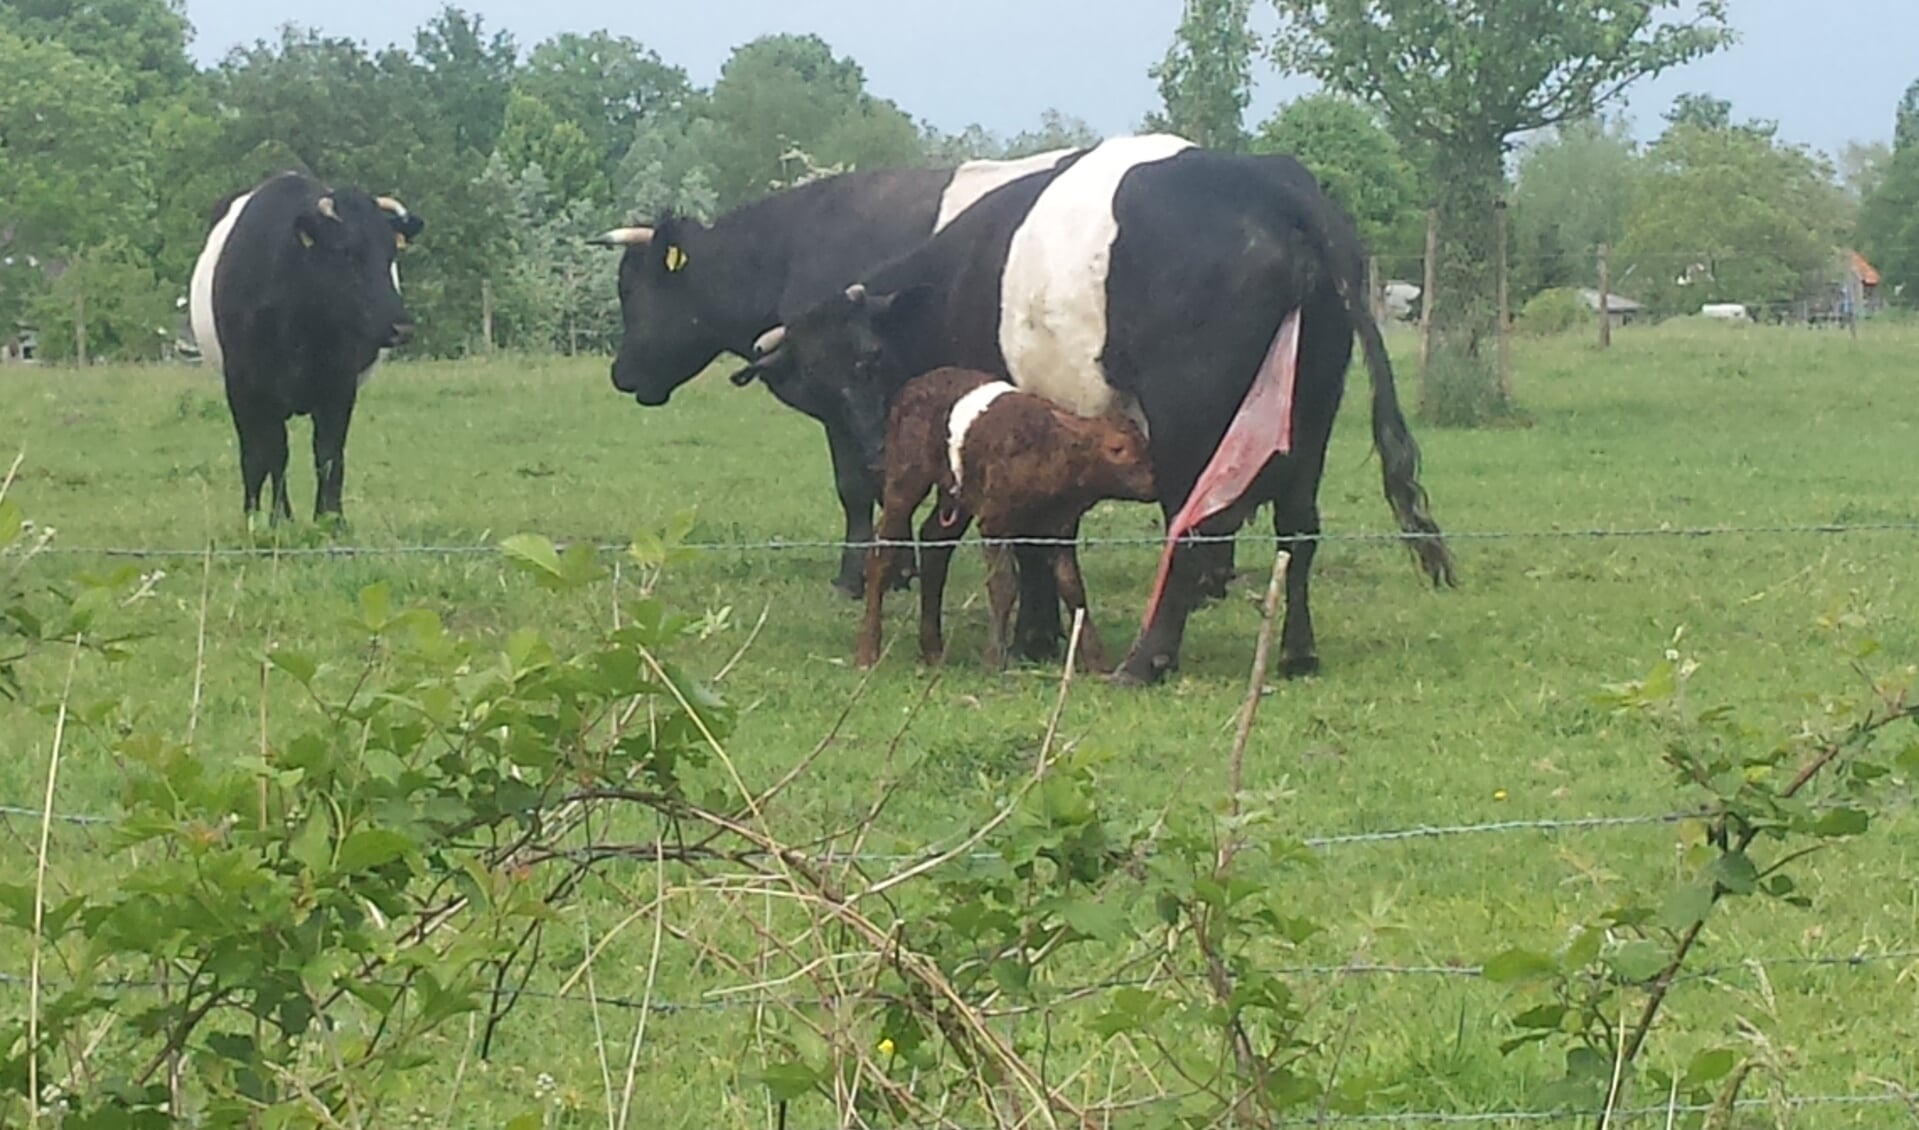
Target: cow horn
[(856, 293), (624, 237), (389, 204), (326, 208), (769, 341)]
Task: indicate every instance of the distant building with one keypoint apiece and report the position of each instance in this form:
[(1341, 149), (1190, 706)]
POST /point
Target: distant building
[(1622, 310)]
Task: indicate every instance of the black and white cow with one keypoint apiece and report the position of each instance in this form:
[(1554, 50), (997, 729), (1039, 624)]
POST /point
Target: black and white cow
[(1162, 279), (292, 299), (690, 292)]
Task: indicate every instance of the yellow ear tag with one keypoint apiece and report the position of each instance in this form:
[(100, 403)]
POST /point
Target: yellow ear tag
[(675, 259), (306, 240), (399, 240)]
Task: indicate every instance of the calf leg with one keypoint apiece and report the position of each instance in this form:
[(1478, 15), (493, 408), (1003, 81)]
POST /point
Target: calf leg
[(1001, 589), (329, 454), (1039, 631), (939, 535), (896, 519), (1072, 589)]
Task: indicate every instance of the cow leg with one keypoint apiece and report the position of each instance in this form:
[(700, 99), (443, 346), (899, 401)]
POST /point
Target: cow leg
[(858, 488), (939, 536), (896, 519), (1038, 632), (1156, 651), (1297, 528), (1001, 589), (1216, 569), (330, 422)]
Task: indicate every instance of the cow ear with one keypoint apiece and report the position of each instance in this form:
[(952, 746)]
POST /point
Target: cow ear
[(892, 311)]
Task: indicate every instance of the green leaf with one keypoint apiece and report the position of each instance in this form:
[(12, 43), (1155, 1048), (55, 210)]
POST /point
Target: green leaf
[(1097, 920), (376, 606), (1012, 975), (1517, 965), (11, 521), (311, 845), (1686, 907), (1909, 758), (534, 554), (300, 666), (1736, 873), (1639, 962), (1841, 822), (1546, 1016), (1708, 1066), (1129, 1010), (789, 1081), (370, 848), (1584, 949)]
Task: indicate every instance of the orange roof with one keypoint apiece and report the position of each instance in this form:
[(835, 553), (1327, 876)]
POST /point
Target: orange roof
[(1867, 275)]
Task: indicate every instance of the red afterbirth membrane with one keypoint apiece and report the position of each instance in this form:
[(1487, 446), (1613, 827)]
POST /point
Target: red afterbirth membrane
[(1261, 429)]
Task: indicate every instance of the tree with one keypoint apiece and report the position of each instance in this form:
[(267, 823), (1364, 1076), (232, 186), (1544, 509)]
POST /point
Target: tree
[(1206, 78), (143, 40), (471, 75), (1574, 191), (1762, 219), (533, 134), (1055, 131), (604, 84), (129, 313), (1889, 216), (71, 174), (1862, 167), (1460, 78), (1357, 161), (782, 93), (1905, 124)]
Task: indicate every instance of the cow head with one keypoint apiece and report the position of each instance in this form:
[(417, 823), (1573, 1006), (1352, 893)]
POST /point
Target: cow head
[(842, 361), (665, 340), (350, 241)]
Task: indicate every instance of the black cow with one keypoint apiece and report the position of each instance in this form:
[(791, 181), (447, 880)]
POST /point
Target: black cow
[(293, 298), (690, 292), (1153, 276)]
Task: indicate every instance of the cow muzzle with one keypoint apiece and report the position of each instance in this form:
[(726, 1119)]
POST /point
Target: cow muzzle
[(400, 334)]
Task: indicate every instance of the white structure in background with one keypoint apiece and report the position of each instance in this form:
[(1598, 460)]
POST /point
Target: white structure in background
[(1400, 297), (1726, 311)]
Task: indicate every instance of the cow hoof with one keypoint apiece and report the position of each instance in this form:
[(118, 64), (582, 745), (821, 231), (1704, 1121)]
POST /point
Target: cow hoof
[(851, 590), (902, 582), (1039, 649), (1299, 666), (1213, 586), (1140, 671)]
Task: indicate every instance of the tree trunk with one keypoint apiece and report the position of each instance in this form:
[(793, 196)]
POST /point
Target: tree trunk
[(1464, 384)]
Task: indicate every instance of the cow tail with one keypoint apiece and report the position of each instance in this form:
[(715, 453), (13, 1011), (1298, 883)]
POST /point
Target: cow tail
[(1398, 453)]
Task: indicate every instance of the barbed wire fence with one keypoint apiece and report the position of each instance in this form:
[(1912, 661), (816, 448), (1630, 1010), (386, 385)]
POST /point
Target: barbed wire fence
[(1758, 966)]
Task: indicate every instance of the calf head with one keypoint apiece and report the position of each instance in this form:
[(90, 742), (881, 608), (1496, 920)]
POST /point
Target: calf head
[(351, 240), (1111, 454), (842, 361), (664, 341)]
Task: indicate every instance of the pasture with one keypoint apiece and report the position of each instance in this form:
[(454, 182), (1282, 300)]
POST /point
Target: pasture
[(1455, 708)]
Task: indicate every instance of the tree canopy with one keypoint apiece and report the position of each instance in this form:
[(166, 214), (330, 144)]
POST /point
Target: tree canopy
[(1460, 78)]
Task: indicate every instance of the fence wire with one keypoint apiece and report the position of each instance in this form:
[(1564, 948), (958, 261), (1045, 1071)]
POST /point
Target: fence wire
[(783, 545)]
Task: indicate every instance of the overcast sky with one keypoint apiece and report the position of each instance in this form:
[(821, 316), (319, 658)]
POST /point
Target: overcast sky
[(1828, 73)]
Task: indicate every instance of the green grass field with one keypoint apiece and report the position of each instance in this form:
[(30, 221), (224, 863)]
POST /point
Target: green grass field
[(1434, 708)]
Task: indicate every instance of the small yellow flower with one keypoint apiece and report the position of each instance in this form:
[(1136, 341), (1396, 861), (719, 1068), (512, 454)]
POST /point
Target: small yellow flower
[(1499, 794), (886, 1047)]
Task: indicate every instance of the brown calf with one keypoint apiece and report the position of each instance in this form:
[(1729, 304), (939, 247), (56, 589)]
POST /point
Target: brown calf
[(1024, 467)]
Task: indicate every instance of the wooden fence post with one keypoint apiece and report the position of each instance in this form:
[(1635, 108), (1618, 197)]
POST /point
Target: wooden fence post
[(1426, 305), (1505, 308), (1605, 300), (1376, 289), (486, 312)]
